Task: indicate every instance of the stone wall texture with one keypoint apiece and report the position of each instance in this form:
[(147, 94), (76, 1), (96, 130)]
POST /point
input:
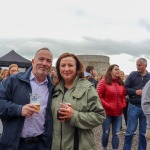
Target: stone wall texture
[(99, 62)]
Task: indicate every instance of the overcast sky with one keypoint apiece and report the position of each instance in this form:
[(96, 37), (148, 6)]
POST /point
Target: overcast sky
[(119, 29)]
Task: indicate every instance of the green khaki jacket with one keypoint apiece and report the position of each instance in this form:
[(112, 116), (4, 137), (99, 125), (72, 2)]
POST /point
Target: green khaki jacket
[(88, 113)]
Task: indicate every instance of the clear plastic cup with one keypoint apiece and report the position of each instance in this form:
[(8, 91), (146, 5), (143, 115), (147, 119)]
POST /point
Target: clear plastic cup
[(35, 99)]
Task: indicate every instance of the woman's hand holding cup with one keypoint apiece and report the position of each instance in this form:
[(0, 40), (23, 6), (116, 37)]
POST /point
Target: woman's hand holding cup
[(64, 111)]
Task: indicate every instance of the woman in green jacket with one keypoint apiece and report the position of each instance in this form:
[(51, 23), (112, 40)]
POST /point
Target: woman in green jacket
[(74, 120)]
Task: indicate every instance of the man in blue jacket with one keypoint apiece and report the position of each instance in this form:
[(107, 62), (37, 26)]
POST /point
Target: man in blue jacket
[(134, 85), (24, 126)]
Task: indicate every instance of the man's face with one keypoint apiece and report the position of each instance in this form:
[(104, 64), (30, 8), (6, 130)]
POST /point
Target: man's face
[(141, 66), (42, 63)]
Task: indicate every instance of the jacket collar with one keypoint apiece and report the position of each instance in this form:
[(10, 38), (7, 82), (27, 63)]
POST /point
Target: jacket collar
[(139, 74), (26, 77), (115, 79), (80, 85), (60, 85)]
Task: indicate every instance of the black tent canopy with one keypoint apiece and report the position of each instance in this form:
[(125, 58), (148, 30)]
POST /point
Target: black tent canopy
[(13, 58)]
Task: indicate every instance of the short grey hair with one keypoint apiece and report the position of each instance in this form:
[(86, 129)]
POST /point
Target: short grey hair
[(44, 48), (142, 59)]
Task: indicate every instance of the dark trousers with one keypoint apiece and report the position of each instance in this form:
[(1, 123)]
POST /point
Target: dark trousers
[(28, 146)]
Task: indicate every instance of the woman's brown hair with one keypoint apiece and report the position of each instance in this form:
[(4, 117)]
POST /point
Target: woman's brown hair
[(108, 76), (79, 65), (4, 73)]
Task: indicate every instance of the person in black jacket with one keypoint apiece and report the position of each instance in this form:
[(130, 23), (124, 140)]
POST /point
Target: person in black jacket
[(134, 85)]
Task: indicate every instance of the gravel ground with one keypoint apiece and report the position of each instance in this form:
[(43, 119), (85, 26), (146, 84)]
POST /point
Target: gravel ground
[(98, 133)]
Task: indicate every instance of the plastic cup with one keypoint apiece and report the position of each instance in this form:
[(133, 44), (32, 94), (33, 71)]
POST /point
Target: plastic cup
[(34, 99), (58, 109)]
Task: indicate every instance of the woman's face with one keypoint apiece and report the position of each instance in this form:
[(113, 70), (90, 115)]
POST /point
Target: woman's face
[(115, 72), (122, 76), (13, 70), (68, 69)]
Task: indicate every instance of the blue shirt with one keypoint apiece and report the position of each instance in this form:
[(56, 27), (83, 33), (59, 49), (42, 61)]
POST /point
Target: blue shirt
[(34, 125)]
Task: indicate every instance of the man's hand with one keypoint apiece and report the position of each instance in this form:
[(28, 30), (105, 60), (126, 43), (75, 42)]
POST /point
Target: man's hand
[(139, 92), (147, 134), (29, 110)]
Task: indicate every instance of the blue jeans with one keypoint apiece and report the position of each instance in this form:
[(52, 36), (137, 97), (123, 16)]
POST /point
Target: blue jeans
[(135, 115), (116, 125)]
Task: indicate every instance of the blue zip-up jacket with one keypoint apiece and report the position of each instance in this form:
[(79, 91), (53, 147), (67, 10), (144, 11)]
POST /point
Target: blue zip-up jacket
[(14, 93), (135, 81)]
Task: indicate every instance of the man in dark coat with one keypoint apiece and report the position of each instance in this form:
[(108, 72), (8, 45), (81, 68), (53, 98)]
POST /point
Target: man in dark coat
[(24, 126)]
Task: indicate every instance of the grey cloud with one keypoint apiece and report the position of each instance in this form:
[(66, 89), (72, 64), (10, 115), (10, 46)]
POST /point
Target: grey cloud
[(88, 46), (80, 13), (76, 11), (144, 23)]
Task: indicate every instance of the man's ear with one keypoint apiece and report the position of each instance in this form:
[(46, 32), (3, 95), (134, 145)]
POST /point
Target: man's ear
[(32, 61)]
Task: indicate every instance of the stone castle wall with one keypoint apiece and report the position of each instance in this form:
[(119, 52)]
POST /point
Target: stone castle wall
[(99, 62)]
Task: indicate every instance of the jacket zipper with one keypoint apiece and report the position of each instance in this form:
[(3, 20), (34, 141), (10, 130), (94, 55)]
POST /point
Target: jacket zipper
[(117, 97), (61, 129)]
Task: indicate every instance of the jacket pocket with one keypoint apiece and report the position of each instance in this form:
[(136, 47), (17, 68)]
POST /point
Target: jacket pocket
[(86, 140)]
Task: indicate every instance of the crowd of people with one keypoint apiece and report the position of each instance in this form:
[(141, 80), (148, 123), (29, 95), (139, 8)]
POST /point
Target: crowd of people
[(57, 109), (12, 69)]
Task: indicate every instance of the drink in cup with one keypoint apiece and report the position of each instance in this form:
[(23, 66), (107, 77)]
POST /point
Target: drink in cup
[(38, 105), (58, 109), (59, 115), (34, 99)]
